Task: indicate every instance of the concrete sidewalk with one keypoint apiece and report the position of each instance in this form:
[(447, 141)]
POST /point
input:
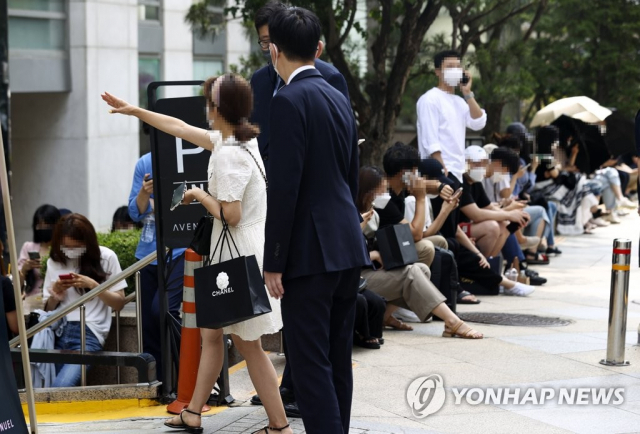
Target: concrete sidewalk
[(543, 357)]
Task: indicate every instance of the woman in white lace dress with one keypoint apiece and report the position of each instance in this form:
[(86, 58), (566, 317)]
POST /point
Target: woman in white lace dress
[(238, 187)]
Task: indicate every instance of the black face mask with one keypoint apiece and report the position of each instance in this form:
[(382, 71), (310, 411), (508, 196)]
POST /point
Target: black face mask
[(43, 235), (267, 56)]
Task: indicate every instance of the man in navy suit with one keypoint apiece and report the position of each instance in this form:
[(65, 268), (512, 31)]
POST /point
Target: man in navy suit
[(314, 248), (266, 83)]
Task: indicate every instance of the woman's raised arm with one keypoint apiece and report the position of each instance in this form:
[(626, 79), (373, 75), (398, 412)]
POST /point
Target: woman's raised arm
[(168, 124)]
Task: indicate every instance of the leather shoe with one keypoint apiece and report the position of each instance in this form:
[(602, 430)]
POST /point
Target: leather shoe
[(287, 395), (255, 400), (292, 410)]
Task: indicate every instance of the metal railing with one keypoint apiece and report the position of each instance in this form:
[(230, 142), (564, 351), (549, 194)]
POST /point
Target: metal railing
[(82, 301)]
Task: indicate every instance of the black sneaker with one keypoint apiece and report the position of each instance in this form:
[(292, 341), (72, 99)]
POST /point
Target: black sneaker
[(534, 278)]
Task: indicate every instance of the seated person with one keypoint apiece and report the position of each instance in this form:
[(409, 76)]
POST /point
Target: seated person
[(490, 225), (471, 262), (400, 165), (9, 301), (122, 221), (409, 286), (78, 265)]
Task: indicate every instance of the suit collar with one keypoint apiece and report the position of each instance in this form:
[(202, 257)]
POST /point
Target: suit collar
[(306, 74)]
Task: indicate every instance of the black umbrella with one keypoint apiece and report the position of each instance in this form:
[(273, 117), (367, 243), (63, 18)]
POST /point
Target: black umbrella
[(620, 136), (593, 149)]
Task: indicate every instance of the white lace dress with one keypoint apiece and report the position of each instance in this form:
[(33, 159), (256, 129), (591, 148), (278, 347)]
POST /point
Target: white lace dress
[(235, 176)]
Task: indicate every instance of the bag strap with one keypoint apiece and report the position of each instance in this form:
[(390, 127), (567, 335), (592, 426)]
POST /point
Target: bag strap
[(257, 164), (225, 237)]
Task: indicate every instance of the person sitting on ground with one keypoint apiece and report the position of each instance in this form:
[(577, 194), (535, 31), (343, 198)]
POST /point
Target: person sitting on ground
[(370, 310), (29, 262), (400, 164), (409, 286), (122, 221), (78, 265), (489, 226)]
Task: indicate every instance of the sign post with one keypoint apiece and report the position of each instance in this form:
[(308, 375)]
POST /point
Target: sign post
[(174, 161)]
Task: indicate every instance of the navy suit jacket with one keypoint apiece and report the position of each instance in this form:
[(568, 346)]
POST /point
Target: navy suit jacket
[(313, 225), (263, 83)]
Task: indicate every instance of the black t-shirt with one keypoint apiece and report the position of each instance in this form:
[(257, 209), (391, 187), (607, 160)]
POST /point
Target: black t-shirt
[(393, 213), (9, 301), (472, 193)]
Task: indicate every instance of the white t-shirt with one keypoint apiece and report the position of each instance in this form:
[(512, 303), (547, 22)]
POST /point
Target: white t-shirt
[(442, 122), (97, 314), (493, 190), (410, 210)]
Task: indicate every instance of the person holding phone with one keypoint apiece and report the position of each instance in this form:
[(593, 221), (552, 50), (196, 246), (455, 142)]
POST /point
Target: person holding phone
[(44, 220), (77, 265)]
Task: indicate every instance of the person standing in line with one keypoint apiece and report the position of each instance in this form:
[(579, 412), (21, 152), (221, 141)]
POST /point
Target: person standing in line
[(141, 210), (314, 248), (443, 118), (238, 189), (266, 83)]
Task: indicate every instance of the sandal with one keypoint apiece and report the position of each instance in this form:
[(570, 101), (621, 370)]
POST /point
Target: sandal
[(267, 428), (183, 426), (553, 251), (370, 343), (396, 324), (469, 334), (535, 258), (464, 294)]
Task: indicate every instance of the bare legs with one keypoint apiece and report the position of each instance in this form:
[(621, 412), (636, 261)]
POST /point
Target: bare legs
[(490, 236)]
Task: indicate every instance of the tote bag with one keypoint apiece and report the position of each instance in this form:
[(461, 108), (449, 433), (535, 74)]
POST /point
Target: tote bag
[(229, 292), (396, 246)]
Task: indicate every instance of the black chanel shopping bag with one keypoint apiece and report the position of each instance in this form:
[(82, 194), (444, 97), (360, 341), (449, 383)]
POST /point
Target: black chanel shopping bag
[(229, 292), (396, 246)]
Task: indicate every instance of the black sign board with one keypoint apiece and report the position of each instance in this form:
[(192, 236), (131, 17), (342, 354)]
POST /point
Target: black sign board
[(179, 161), (11, 415)]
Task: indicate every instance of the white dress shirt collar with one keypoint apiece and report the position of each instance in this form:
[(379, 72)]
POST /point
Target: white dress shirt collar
[(299, 70)]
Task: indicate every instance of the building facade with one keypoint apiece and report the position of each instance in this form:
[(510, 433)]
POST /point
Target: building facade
[(66, 149)]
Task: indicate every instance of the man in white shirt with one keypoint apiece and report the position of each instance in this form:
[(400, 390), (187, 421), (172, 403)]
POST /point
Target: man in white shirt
[(443, 117)]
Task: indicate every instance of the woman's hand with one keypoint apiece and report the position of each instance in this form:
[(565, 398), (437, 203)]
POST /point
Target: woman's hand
[(450, 205), (60, 288), (535, 162), (194, 194), (374, 255), (365, 218), (118, 105), (483, 261), (80, 281), (31, 264), (447, 194)]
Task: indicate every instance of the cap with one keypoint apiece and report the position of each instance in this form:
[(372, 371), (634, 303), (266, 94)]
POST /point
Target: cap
[(432, 169), (489, 148), (475, 153), (518, 129)]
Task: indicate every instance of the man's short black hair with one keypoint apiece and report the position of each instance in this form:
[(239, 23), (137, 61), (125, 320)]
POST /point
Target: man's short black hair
[(439, 58), (399, 157), (296, 32), (507, 158), (265, 13)]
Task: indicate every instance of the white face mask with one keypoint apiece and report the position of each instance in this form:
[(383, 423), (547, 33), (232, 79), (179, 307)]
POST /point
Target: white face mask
[(497, 177), (73, 252), (381, 200), (452, 76), (477, 174), (275, 62), (432, 196)]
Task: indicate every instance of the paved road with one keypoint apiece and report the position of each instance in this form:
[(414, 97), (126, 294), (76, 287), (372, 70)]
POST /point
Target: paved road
[(545, 357)]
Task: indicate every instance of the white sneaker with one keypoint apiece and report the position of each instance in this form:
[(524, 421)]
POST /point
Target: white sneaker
[(621, 212), (613, 217), (599, 222), (625, 202), (520, 289)]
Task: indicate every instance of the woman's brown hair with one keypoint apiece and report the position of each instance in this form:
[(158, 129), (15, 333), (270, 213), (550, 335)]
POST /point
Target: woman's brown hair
[(234, 100), (369, 179), (79, 228)]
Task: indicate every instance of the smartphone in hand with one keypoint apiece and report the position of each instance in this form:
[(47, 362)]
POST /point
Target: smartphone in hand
[(65, 276), (34, 256)]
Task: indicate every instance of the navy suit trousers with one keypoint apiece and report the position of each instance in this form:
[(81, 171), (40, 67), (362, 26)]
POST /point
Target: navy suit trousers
[(318, 312)]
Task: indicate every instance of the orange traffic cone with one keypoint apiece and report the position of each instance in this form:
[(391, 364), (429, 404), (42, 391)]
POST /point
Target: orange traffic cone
[(190, 344)]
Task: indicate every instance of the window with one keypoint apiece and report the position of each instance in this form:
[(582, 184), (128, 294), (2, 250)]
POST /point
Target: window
[(37, 25), (148, 71), (205, 68), (149, 10)]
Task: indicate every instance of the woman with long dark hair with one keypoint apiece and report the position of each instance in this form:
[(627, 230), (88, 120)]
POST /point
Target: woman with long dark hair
[(44, 220), (237, 188), (76, 266)]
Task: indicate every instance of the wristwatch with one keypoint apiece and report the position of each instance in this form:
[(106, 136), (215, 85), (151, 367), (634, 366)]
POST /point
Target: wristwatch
[(441, 187), (469, 96)]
